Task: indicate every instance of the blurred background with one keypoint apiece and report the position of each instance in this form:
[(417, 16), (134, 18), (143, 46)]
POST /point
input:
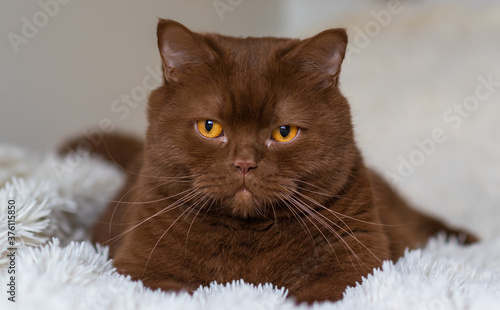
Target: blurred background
[(413, 75)]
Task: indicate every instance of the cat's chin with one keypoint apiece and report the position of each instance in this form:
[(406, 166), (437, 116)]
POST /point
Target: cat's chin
[(244, 204)]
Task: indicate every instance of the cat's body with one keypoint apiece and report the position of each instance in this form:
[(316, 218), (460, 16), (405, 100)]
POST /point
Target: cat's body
[(253, 202)]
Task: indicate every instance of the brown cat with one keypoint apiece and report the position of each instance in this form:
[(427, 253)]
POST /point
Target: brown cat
[(250, 171)]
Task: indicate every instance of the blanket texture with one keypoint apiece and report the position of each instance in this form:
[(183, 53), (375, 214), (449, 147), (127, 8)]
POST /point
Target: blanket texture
[(415, 70)]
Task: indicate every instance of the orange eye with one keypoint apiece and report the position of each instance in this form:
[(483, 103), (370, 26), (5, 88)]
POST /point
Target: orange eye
[(209, 129), (285, 134)]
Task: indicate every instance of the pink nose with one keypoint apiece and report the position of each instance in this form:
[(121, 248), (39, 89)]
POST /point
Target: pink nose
[(244, 166)]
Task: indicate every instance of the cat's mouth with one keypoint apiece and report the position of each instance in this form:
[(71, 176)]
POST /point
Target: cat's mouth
[(248, 197), (244, 204), (243, 194)]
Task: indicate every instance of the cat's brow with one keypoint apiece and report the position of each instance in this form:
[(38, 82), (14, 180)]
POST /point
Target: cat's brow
[(289, 112), (208, 107)]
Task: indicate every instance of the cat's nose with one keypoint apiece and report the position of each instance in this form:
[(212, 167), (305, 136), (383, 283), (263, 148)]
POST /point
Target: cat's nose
[(244, 166)]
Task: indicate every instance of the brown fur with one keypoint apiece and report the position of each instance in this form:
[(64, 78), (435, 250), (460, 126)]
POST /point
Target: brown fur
[(316, 219)]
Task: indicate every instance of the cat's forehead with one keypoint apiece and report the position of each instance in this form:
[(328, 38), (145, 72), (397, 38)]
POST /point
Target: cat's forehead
[(252, 54), (247, 85), (249, 88)]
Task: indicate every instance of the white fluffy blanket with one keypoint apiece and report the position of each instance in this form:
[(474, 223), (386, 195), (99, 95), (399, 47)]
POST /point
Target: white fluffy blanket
[(57, 199)]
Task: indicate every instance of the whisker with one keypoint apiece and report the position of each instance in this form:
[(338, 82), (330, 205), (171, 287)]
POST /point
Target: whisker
[(212, 202), (301, 222), (163, 235), (205, 200), (120, 201), (129, 171), (338, 214), (295, 203), (187, 197), (350, 232), (319, 188), (138, 185), (271, 203), (314, 185), (130, 204), (320, 205), (346, 246)]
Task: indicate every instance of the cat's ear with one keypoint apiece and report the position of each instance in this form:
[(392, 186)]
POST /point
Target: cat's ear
[(323, 53), (180, 49)]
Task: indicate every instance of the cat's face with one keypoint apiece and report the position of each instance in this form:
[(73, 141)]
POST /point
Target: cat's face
[(252, 123)]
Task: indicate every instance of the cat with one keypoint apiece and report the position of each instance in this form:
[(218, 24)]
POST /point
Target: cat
[(250, 170)]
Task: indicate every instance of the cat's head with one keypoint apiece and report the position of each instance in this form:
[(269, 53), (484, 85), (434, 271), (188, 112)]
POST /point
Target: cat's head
[(251, 123)]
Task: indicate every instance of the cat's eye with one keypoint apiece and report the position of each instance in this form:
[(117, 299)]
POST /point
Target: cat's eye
[(209, 128), (285, 134)]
